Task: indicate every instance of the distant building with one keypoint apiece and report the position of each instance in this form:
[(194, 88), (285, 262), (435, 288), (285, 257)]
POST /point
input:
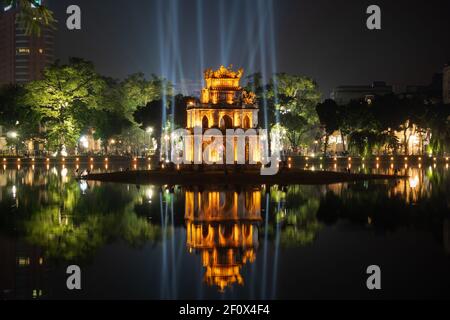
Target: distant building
[(22, 57), (446, 84), (344, 94), (431, 93)]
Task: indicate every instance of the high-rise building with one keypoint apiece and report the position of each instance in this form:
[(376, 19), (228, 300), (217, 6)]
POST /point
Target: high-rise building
[(22, 57), (446, 84)]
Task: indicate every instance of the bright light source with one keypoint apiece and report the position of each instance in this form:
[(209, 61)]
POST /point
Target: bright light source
[(414, 182), (84, 142), (12, 134), (149, 130)]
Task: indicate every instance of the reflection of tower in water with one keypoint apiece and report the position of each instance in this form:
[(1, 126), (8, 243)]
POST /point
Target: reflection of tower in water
[(222, 226)]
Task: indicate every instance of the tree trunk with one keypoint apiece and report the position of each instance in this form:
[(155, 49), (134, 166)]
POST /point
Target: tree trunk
[(343, 142), (325, 147)]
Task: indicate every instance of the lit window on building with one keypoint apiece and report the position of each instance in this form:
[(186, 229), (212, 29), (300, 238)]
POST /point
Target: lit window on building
[(23, 262), (37, 293), (23, 50)]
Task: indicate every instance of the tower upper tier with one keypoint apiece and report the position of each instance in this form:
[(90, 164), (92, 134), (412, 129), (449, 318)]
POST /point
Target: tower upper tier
[(223, 86)]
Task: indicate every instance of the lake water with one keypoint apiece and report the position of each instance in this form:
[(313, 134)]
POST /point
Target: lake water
[(223, 242)]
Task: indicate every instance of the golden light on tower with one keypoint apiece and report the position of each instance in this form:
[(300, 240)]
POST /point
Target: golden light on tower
[(221, 85), (223, 104), (225, 237)]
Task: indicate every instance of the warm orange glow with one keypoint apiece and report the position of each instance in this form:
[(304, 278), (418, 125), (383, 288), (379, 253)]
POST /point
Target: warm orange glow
[(225, 237), (224, 105)]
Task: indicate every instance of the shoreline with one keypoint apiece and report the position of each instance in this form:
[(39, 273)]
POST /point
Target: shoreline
[(249, 177)]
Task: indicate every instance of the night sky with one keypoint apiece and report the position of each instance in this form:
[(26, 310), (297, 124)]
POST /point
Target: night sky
[(323, 39)]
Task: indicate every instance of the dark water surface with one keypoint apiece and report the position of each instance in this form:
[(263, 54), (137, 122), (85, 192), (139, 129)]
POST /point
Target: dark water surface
[(223, 242)]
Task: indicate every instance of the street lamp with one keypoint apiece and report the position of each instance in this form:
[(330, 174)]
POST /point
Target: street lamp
[(149, 130), (13, 135)]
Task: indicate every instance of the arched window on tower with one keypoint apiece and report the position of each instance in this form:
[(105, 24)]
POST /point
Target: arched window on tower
[(226, 122), (205, 122), (246, 122)]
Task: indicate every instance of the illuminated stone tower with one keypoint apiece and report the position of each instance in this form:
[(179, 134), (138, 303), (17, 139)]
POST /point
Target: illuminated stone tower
[(224, 105)]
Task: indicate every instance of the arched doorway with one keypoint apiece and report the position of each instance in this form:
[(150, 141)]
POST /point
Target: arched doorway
[(205, 122), (246, 122), (226, 122)]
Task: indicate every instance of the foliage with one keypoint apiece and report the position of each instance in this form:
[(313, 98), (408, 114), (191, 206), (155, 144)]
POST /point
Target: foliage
[(17, 117), (64, 92), (32, 15), (293, 100)]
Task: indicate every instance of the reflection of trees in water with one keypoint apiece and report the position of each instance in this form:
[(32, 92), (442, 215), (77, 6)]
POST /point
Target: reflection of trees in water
[(68, 225), (295, 214), (383, 207)]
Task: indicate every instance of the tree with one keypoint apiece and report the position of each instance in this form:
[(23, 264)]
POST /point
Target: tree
[(32, 15), (107, 125), (17, 118), (138, 92), (64, 92), (438, 119), (293, 100), (328, 113), (150, 116)]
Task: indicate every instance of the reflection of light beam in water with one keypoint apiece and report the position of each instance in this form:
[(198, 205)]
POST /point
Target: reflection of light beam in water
[(266, 240), (163, 260), (275, 260), (174, 268)]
